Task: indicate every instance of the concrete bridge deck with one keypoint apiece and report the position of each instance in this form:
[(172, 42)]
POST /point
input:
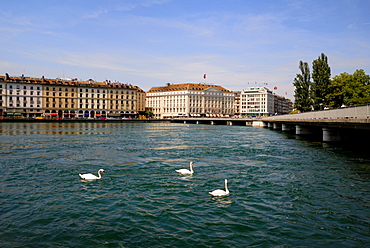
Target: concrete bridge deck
[(352, 123), (357, 117)]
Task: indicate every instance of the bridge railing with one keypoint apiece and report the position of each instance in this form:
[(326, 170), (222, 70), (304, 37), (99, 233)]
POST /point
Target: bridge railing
[(358, 112)]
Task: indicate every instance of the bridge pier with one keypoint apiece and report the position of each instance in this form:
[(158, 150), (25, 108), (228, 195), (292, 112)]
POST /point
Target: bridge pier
[(331, 135), (303, 130), (277, 126), (257, 124), (287, 128), (270, 125), (229, 123), (212, 123)]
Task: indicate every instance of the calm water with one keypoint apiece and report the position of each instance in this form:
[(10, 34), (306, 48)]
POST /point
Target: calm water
[(285, 192)]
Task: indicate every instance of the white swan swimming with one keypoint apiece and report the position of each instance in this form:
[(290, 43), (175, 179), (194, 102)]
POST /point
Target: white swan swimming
[(221, 192), (186, 171), (90, 176)]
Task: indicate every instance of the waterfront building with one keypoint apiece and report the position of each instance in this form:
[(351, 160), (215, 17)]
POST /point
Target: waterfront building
[(141, 96), (260, 101), (20, 97), (92, 99), (237, 103), (282, 105), (190, 99), (256, 101), (3, 97), (122, 101), (68, 98), (59, 98)]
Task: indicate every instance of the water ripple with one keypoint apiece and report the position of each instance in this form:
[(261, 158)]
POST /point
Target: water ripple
[(284, 192)]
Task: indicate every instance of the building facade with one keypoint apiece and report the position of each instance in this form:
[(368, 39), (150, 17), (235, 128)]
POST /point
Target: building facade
[(59, 98), (260, 101), (20, 97), (237, 104), (190, 99), (282, 105), (68, 98)]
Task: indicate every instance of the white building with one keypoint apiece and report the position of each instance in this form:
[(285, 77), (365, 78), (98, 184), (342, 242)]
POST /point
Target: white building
[(3, 98), (256, 101), (190, 99), (260, 101), (22, 98)]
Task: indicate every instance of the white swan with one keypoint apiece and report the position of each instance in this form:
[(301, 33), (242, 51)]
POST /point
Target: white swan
[(221, 192), (90, 176), (186, 171)]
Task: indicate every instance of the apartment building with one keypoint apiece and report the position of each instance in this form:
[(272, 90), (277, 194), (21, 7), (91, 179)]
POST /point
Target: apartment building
[(3, 97), (190, 99), (122, 100), (282, 105), (256, 101), (68, 98), (20, 97), (59, 98), (237, 103), (260, 101)]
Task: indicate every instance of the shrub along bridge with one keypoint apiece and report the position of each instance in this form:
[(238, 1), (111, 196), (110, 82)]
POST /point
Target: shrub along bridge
[(336, 125)]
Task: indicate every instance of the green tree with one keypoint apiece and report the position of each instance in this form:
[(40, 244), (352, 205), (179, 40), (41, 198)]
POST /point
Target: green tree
[(357, 90), (335, 97), (321, 81), (302, 83), (349, 89)]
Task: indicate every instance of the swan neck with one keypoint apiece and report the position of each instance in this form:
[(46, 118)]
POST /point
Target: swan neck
[(99, 175), (226, 189)]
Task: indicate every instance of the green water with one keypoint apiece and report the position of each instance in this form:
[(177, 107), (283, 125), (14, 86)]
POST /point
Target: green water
[(284, 191)]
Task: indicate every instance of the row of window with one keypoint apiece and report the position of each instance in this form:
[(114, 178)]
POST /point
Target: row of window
[(19, 87)]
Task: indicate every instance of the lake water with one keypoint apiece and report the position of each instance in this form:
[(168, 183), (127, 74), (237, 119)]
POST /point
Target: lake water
[(284, 191)]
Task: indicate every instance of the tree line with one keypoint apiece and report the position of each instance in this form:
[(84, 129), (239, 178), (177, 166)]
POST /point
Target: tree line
[(317, 90)]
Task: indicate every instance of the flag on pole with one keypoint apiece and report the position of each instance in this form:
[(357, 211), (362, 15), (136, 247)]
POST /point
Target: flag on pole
[(204, 76)]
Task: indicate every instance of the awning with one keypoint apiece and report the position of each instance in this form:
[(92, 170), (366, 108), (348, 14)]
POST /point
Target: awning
[(98, 115), (54, 114)]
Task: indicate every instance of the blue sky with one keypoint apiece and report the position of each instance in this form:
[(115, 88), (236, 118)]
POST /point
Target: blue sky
[(151, 42)]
